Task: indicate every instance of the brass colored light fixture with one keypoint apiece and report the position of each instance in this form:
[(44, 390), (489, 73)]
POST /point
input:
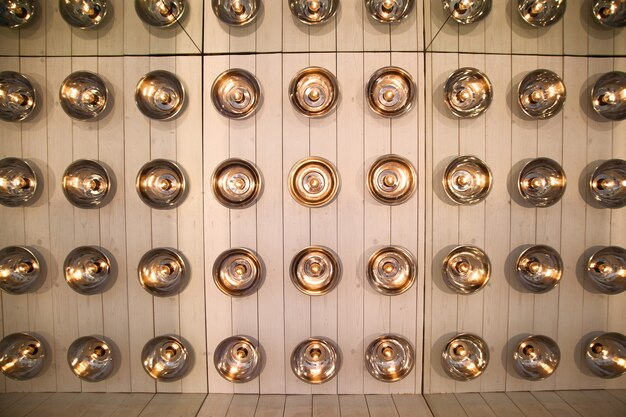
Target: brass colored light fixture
[(161, 184), (87, 270), (238, 272), (610, 13), (467, 11), (607, 269), (391, 270), (162, 272), (608, 183), (83, 95), (467, 180), (83, 14), (541, 94), (389, 11), (468, 93), (236, 93), (392, 179), (608, 95), (605, 355), (542, 182), (91, 358), (539, 268), (541, 13), (466, 269), (22, 356), (314, 92), (315, 270), (391, 92), (165, 358), (160, 13), (86, 184), (313, 182), (237, 183), (238, 359), (313, 12), (389, 358), (18, 13), (20, 270), (17, 97), (465, 357), (536, 357), (236, 12), (18, 182), (316, 360), (160, 95)]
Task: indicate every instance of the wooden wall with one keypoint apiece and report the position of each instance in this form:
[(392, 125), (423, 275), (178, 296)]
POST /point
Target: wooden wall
[(352, 46)]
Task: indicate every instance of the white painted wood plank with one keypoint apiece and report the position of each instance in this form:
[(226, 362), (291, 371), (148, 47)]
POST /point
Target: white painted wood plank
[(474, 405), (7, 400), (376, 35), (620, 394), (295, 33), (495, 41), (83, 42), (58, 34), (296, 224), (444, 405), (136, 33), (243, 39), (586, 405), (216, 232), (215, 405), (350, 217), (138, 226), (555, 404), (111, 31), (242, 405), (32, 38), (326, 406), (268, 38), (528, 404), (324, 37), (270, 405), (216, 33), (9, 41), (191, 223), (472, 37), (502, 405), (23, 404), (575, 21), (381, 406), (190, 41), (606, 402), (271, 310), (57, 405), (411, 406), (350, 26), (407, 34), (446, 39), (600, 40), (173, 405), (132, 405), (113, 222), (353, 406), (298, 406)]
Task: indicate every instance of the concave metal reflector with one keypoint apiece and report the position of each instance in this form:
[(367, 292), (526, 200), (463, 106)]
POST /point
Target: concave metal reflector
[(160, 95), (468, 92), (605, 355), (467, 180), (608, 183), (91, 358), (17, 13), (237, 183), (162, 272), (541, 94), (316, 360), (465, 357), (536, 357), (542, 182), (314, 92), (389, 11), (87, 270), (238, 359), (22, 356), (315, 270), (18, 182), (83, 95), (610, 13), (20, 269), (391, 92), (236, 12), (392, 179), (236, 93), (466, 269), (391, 270), (313, 12), (539, 268), (313, 182), (165, 358), (160, 13), (389, 358), (86, 184), (607, 269), (238, 272), (541, 13), (161, 184), (608, 95), (467, 11), (83, 14), (17, 96)]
